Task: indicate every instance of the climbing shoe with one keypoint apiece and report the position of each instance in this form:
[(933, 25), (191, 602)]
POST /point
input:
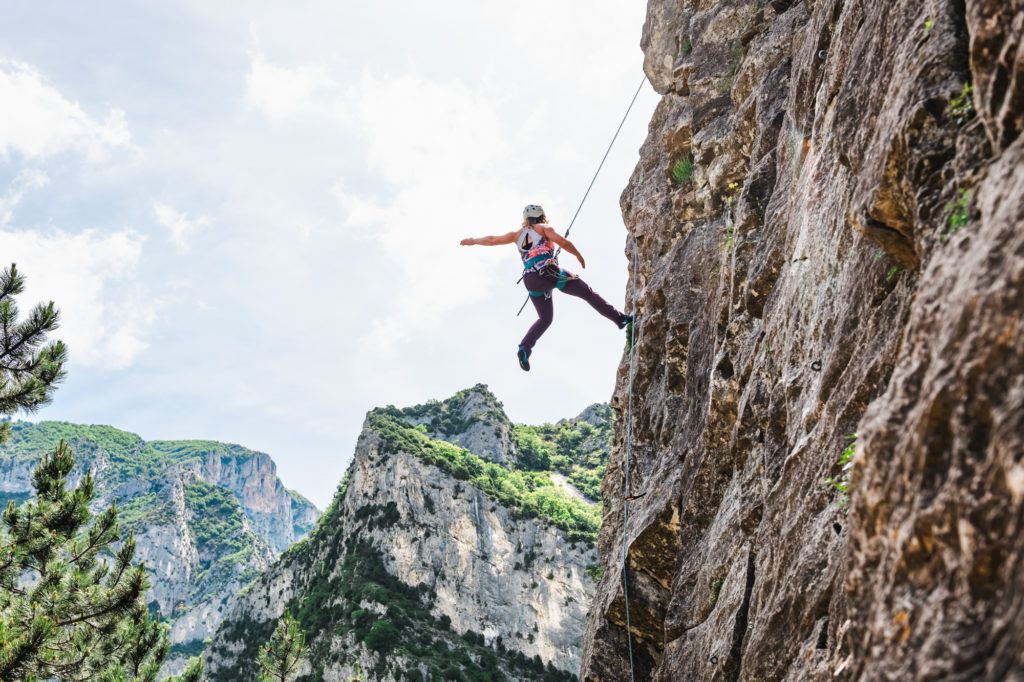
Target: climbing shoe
[(626, 319), (524, 359)]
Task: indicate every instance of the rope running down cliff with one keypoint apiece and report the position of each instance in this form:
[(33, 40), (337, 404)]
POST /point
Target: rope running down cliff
[(592, 180), (629, 439)]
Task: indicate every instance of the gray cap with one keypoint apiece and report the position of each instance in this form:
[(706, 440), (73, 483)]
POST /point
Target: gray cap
[(533, 211)]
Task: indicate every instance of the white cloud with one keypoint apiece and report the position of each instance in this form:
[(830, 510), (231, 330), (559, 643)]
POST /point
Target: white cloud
[(417, 127), (105, 314), (38, 122), (182, 229), (282, 93), (448, 160), (25, 181)]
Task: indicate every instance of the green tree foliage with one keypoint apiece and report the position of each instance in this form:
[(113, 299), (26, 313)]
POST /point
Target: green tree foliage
[(382, 636), (575, 448), (65, 612), (279, 658), (529, 493), (216, 524), (532, 452), (30, 369)]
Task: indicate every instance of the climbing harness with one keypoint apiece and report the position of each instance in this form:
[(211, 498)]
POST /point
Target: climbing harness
[(554, 274), (629, 441), (592, 180)]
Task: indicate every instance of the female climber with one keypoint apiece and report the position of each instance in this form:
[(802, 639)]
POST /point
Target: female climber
[(536, 242)]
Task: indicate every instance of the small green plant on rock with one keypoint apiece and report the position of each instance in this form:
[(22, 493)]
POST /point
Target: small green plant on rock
[(961, 109), (687, 46), (730, 239), (705, 609), (958, 212), (894, 271), (842, 482), (727, 80), (682, 170)]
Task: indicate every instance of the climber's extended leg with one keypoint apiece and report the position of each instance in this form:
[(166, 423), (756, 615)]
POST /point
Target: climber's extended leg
[(575, 286), (545, 314), (540, 294)]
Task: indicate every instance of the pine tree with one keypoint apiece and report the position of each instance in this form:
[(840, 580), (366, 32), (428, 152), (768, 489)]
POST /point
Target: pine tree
[(71, 602), (279, 658), (29, 371)]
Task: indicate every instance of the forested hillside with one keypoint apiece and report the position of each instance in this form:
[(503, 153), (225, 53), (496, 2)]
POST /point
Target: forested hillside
[(208, 517)]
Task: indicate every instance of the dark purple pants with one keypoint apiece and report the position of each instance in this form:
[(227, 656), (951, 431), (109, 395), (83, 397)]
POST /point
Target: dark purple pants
[(538, 284)]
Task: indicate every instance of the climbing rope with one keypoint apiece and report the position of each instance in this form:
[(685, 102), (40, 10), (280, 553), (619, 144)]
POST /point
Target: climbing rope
[(593, 179), (626, 498)]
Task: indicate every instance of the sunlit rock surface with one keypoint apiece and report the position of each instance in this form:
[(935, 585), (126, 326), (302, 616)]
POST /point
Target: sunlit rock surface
[(846, 257)]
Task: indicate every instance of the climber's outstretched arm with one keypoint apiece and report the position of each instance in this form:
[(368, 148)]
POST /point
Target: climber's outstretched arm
[(550, 234), (494, 240)]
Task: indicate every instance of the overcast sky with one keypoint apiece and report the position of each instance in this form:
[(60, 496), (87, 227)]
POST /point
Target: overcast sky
[(249, 212)]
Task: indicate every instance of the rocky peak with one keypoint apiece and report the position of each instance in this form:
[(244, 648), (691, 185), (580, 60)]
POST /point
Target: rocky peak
[(485, 568), (472, 418), (596, 415)]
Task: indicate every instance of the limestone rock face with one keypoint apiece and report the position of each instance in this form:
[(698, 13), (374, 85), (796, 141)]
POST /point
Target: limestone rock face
[(467, 549), (15, 478), (843, 266), (276, 513), (513, 587), (473, 419)]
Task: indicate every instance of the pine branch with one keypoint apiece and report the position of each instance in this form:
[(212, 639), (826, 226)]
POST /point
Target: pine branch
[(96, 541), (42, 319), (11, 282)]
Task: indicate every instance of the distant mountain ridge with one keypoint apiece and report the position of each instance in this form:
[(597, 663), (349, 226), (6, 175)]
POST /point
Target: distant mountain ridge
[(452, 550), (208, 517)]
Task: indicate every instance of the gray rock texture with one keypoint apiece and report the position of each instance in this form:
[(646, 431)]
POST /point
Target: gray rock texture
[(846, 257), (280, 516), (473, 418), (467, 549), (520, 584)]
